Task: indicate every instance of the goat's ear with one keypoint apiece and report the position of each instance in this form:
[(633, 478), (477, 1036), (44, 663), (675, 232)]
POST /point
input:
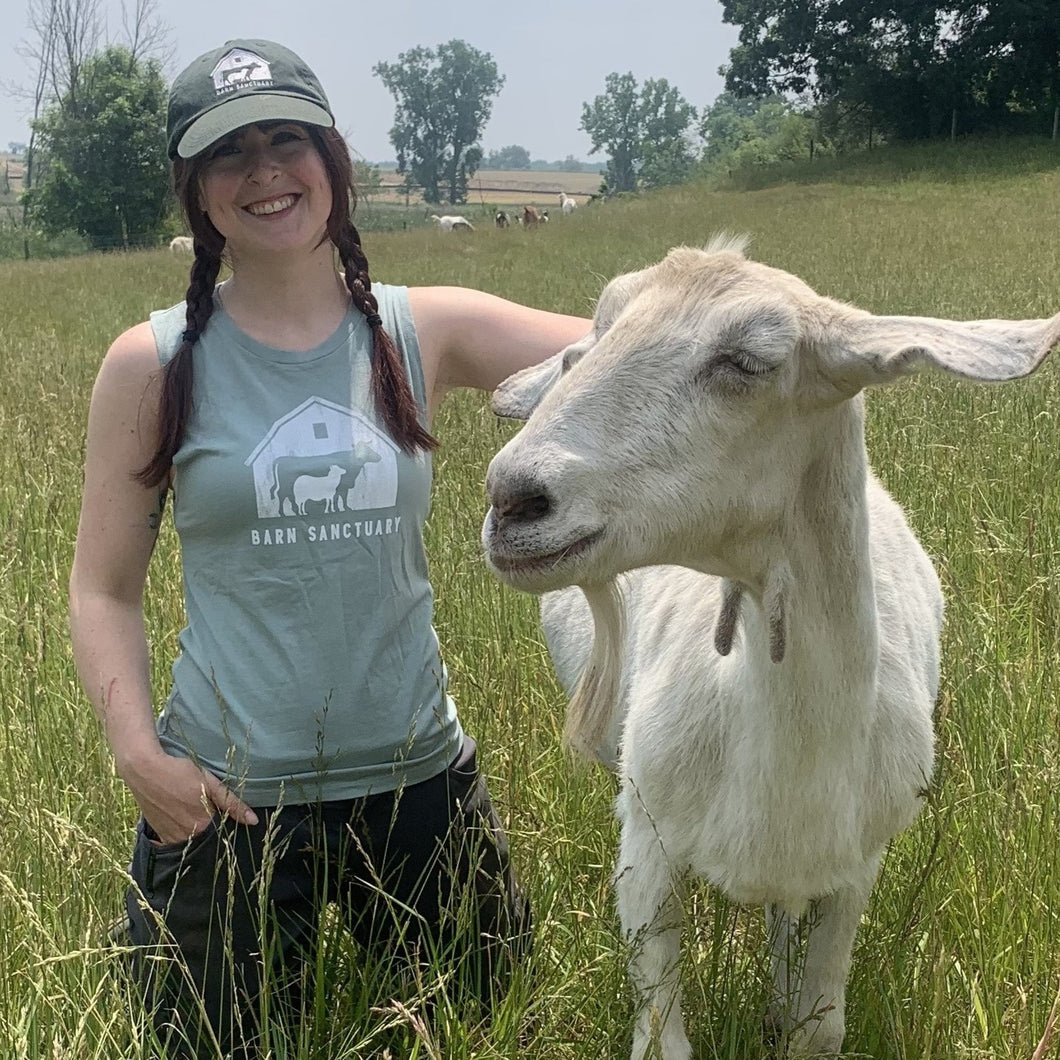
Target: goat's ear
[(872, 350), (521, 393)]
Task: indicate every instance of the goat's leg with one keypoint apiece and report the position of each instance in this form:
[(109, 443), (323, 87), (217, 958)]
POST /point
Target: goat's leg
[(649, 906), (785, 970), (818, 1021)]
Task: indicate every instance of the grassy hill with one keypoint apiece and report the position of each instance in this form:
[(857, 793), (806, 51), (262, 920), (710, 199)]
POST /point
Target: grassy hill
[(958, 957), (939, 161)]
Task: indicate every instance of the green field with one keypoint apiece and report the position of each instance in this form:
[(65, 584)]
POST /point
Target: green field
[(958, 957)]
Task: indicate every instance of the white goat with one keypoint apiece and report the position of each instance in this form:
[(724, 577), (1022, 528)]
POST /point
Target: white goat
[(566, 203), (451, 221), (181, 245), (712, 419)]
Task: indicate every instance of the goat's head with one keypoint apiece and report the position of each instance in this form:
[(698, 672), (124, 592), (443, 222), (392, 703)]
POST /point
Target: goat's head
[(680, 428)]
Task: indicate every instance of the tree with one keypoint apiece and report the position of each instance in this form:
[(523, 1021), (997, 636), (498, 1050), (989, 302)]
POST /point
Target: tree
[(611, 121), (665, 150), (1017, 44), (513, 157), (106, 175), (63, 34), (744, 131), (444, 99), (644, 130), (906, 68), (367, 179)]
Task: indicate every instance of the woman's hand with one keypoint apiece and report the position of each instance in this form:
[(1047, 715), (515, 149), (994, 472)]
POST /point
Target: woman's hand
[(178, 799)]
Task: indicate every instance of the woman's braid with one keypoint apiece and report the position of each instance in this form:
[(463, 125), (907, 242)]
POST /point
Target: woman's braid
[(179, 374), (390, 383)]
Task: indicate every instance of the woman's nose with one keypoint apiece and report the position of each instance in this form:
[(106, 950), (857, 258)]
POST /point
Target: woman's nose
[(263, 167)]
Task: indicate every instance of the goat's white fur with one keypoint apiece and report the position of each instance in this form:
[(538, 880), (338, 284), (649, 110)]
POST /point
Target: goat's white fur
[(767, 701), (566, 203), (181, 245), (451, 222)]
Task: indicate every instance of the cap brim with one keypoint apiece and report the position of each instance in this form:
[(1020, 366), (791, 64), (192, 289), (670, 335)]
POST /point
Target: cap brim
[(234, 113)]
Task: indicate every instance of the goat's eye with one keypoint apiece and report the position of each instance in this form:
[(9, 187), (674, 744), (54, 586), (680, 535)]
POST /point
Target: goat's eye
[(732, 368)]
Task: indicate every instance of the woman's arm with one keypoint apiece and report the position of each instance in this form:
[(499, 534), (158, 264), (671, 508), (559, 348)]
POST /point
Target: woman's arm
[(472, 339), (115, 537)]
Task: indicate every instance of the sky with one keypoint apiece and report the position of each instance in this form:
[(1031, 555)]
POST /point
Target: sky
[(554, 57)]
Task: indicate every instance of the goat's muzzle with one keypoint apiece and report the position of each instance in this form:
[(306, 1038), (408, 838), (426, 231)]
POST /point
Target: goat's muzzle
[(521, 500)]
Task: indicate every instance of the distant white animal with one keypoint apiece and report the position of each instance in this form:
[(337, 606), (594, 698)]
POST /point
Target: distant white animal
[(318, 488), (767, 694), (182, 245), (451, 222), (566, 203)]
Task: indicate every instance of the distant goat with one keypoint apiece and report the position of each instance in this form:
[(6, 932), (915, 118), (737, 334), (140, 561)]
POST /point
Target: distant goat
[(501, 219), (452, 222), (532, 217), (566, 203), (713, 420), (182, 245)]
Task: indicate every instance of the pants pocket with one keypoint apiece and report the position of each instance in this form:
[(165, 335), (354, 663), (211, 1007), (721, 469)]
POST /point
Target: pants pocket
[(156, 867)]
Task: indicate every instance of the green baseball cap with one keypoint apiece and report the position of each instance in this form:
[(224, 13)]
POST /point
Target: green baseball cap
[(241, 83)]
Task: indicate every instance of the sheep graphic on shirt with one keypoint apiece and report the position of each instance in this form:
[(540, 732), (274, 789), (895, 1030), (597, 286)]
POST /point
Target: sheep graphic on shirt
[(318, 488)]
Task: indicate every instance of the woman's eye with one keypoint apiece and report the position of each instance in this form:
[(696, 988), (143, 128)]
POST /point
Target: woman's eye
[(224, 151), (286, 136)]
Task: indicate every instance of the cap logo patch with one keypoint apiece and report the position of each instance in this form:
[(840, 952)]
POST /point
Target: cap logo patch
[(240, 69)]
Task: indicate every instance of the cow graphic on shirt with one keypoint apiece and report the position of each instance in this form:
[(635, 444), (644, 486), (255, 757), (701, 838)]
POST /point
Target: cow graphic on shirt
[(333, 473), (320, 459)]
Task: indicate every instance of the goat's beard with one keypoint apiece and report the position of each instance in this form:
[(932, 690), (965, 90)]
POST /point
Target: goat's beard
[(596, 698)]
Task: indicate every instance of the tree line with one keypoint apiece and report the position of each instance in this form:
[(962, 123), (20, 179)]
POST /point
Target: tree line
[(807, 76), (904, 69)]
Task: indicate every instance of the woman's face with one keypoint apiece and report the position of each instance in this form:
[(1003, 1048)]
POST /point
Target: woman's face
[(265, 189)]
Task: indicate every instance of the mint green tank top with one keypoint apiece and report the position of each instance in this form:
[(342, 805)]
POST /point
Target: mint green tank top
[(309, 668)]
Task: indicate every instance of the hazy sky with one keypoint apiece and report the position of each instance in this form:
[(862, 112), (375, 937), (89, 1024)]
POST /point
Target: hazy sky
[(554, 56)]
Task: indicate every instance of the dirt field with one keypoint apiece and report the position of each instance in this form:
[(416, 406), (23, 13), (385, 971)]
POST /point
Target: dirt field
[(502, 187), (510, 186)]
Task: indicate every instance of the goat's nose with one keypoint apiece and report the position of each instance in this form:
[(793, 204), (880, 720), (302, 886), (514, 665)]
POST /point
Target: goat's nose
[(521, 500)]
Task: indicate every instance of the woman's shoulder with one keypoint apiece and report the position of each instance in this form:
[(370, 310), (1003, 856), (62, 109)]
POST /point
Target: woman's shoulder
[(129, 368), (134, 350)]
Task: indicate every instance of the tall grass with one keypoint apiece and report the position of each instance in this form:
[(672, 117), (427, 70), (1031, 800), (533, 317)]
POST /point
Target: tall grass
[(959, 954)]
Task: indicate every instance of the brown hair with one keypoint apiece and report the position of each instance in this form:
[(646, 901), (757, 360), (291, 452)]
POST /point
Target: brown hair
[(391, 391)]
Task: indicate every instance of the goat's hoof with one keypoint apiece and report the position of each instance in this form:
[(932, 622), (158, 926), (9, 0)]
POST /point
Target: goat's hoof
[(818, 1037)]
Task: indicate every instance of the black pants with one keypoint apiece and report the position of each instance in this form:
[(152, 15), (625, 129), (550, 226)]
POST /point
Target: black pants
[(419, 874)]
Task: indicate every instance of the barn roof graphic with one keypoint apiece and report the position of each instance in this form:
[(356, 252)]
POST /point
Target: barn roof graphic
[(322, 404)]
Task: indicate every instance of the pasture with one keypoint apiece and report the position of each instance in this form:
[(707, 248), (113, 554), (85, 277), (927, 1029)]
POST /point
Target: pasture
[(958, 957)]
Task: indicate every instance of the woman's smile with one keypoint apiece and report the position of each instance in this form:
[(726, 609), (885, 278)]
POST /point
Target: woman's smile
[(270, 206)]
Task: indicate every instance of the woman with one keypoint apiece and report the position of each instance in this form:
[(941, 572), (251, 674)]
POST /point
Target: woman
[(308, 751)]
